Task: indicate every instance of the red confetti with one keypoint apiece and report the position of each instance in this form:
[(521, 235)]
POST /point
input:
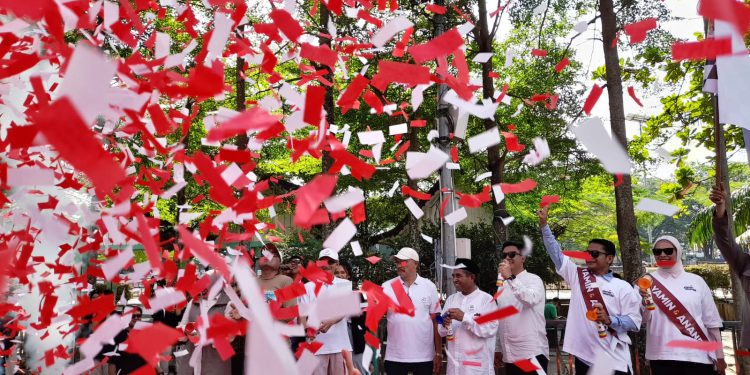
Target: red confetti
[(593, 97), (548, 200), (562, 64), (707, 49), (521, 187), (706, 346), (538, 52), (631, 92), (637, 31), (730, 11), (578, 255), (496, 315), (526, 366), (434, 8), (373, 259), (441, 46)]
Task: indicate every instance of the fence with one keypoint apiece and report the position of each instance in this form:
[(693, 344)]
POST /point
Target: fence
[(561, 363)]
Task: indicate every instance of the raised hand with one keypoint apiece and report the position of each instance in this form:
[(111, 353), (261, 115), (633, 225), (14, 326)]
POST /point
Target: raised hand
[(542, 213), (719, 197)]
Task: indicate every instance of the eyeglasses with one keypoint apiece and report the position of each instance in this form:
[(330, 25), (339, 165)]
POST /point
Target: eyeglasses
[(666, 251), (510, 255), (595, 254)]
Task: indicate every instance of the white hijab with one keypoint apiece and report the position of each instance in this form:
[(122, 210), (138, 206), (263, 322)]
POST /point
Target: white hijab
[(677, 269)]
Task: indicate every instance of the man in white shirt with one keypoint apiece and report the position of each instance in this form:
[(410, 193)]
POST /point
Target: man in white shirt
[(613, 303), (470, 345), (334, 335), (413, 341), (522, 336)]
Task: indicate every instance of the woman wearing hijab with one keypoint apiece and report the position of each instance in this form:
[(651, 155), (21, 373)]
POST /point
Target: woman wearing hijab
[(678, 306)]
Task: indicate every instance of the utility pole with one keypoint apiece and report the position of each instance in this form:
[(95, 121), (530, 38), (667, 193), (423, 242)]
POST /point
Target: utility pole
[(447, 231)]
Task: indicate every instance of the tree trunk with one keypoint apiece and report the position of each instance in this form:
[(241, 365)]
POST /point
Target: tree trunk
[(627, 232), (494, 161), (239, 81), (328, 103)]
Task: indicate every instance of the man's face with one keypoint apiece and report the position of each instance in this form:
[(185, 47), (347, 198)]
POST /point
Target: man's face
[(512, 255), (600, 261), (463, 280), (406, 268), (327, 264), (272, 263)]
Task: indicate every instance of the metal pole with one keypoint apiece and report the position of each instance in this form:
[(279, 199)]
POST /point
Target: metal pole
[(447, 232), (722, 177)]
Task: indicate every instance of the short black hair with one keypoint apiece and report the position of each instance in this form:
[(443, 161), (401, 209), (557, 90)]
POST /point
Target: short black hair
[(609, 247), (517, 244)]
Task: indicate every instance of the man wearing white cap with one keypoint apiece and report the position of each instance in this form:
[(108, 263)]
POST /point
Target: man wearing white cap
[(414, 344), (334, 335)]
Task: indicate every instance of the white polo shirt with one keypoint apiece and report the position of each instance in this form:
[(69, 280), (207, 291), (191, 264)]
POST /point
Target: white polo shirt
[(695, 295), (411, 339), (474, 343), (336, 338), (582, 339), (523, 335)]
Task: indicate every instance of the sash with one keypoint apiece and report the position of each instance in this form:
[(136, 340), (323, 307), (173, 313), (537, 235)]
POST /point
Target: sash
[(591, 292), (675, 311)]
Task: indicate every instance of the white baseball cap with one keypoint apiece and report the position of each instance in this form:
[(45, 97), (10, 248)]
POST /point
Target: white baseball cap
[(407, 253), (329, 253)]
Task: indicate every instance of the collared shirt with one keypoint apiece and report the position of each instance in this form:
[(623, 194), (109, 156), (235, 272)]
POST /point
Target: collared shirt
[(622, 302), (693, 292), (472, 351), (523, 335), (336, 338), (412, 339)]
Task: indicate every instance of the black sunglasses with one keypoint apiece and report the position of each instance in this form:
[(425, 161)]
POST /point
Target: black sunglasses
[(595, 254), (510, 255), (666, 250)]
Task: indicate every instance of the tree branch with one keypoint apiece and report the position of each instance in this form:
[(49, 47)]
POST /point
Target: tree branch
[(401, 224)]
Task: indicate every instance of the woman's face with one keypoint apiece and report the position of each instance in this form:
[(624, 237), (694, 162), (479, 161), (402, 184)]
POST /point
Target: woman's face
[(665, 254), (340, 272)]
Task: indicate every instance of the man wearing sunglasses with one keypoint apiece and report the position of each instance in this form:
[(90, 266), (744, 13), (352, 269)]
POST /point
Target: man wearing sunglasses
[(523, 335), (595, 293)]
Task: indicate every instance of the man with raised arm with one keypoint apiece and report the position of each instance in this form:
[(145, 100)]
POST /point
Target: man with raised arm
[(602, 308)]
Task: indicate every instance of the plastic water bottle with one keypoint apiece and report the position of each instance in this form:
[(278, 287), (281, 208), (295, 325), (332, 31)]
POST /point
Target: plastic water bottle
[(645, 284)]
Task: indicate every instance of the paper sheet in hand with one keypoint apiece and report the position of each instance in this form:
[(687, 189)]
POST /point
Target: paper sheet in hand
[(340, 236), (594, 137), (657, 207)]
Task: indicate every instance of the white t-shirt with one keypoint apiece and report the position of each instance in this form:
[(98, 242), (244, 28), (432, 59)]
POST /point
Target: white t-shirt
[(473, 349), (336, 338), (695, 295), (412, 339), (582, 339), (523, 335)]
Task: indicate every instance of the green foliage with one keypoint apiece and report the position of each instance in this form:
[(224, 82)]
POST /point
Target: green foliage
[(716, 275)]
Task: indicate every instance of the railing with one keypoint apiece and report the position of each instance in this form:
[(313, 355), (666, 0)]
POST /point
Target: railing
[(561, 363)]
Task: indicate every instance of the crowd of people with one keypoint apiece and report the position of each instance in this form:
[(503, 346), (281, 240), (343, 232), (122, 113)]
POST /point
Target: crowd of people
[(474, 332)]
